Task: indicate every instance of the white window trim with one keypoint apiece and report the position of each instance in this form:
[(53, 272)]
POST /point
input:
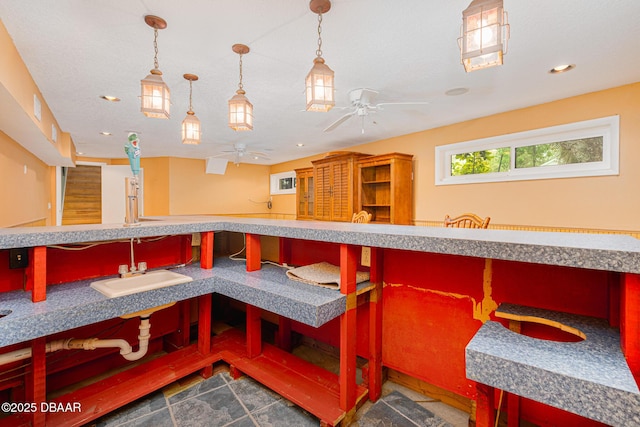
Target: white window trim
[(275, 179), (607, 127)]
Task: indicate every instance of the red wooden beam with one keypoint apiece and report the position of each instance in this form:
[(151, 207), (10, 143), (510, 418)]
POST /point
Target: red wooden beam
[(253, 252), (37, 273), (485, 406), (513, 409), (284, 333), (206, 250), (284, 255), (254, 331), (204, 331), (375, 326), (36, 381), (630, 321), (348, 387)]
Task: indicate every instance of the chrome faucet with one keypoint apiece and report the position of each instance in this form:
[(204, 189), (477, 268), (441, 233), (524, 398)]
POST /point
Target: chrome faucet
[(131, 190), (125, 271)]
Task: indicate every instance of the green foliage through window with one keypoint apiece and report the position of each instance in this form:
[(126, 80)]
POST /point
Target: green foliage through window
[(584, 150), (485, 161)]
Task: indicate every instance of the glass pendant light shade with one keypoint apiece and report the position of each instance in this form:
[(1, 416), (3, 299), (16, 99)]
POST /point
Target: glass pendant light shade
[(319, 87), (155, 96), (240, 112), (485, 33), (240, 109), (191, 129)]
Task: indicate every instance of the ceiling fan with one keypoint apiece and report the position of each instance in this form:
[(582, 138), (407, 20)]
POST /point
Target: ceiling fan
[(239, 152), (362, 104)]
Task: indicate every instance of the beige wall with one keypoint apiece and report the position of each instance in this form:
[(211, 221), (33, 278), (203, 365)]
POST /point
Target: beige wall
[(25, 197), (595, 202)]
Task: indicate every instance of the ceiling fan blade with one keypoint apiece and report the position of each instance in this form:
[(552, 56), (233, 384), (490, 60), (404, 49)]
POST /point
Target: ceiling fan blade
[(384, 104), (338, 122)]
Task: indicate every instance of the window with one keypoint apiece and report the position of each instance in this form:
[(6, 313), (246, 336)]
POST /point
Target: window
[(283, 183), (588, 148)]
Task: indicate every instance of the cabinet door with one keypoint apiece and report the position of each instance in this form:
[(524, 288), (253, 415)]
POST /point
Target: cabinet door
[(310, 196), (341, 208), (322, 197), (301, 210)]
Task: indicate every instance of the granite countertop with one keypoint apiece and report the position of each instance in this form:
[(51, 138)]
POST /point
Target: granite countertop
[(594, 251), (589, 378), (76, 304)]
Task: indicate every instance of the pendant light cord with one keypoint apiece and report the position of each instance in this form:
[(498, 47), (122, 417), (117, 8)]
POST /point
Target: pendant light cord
[(190, 93), (155, 47), (240, 83), (319, 50)]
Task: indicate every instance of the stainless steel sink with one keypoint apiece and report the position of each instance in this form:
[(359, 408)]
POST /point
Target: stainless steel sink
[(156, 279)]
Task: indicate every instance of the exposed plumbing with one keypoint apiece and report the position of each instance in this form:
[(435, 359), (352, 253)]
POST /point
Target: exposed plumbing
[(126, 350)]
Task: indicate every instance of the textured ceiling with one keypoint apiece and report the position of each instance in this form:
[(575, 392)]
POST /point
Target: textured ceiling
[(77, 50)]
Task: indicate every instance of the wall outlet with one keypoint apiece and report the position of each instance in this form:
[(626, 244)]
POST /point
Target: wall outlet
[(365, 257), (18, 258)]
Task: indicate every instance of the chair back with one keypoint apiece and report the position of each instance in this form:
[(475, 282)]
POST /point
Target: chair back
[(361, 217), (467, 220)]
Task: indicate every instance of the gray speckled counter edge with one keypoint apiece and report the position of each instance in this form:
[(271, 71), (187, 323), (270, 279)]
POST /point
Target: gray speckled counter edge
[(76, 304), (594, 251), (589, 378)]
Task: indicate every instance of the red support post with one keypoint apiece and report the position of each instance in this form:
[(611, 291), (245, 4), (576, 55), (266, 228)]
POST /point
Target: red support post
[(254, 331), (284, 333), (37, 273), (206, 250), (513, 409), (284, 255), (348, 265), (204, 331), (253, 252), (630, 321), (36, 380), (375, 326), (485, 406)]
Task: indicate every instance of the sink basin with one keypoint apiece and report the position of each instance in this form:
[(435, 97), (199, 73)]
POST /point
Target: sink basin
[(117, 287)]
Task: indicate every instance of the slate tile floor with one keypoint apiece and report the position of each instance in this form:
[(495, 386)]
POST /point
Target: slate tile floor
[(220, 401)]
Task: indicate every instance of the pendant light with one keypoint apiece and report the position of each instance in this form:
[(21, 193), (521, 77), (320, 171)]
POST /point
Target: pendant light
[(191, 125), (319, 81), (240, 109), (485, 33), (155, 97)]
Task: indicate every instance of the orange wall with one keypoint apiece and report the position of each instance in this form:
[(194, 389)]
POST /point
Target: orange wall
[(242, 189), (595, 202), (25, 196)]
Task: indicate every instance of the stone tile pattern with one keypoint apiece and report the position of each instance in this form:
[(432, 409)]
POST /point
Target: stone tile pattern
[(397, 410), (216, 402)]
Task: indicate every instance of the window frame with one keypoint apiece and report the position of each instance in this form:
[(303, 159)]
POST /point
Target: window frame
[(607, 127), (275, 179)]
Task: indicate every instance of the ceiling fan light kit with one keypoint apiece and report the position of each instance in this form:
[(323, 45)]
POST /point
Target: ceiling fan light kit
[(240, 109), (319, 84), (191, 130), (155, 98), (484, 35)]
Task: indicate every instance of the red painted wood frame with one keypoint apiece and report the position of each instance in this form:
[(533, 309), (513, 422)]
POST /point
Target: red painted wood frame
[(630, 322), (37, 273), (348, 265), (375, 326), (206, 250)]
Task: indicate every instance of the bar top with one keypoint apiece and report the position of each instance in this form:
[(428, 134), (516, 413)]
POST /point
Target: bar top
[(594, 251)]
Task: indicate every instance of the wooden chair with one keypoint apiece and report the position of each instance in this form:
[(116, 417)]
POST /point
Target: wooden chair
[(467, 220), (361, 217)]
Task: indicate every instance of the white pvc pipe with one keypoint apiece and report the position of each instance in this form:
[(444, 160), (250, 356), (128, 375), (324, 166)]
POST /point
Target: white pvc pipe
[(90, 344)]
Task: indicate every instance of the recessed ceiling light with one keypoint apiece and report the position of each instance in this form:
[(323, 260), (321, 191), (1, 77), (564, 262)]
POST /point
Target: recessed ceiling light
[(105, 133), (79, 153), (300, 145), (457, 91), (562, 68), (110, 98)]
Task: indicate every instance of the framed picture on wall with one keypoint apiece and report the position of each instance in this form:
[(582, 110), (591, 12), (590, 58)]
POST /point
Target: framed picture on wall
[(283, 183)]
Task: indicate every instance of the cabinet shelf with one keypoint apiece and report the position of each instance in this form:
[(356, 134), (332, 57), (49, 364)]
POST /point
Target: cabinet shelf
[(385, 188)]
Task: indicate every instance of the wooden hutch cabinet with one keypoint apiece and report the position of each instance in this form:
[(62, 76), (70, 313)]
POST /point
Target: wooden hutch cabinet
[(335, 180), (304, 193), (385, 188)]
